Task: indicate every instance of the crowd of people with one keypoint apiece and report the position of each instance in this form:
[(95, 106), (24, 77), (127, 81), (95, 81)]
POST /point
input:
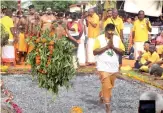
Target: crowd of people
[(99, 39), (78, 26)]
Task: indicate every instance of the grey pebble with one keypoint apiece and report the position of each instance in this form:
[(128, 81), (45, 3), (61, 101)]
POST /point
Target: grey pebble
[(84, 93)]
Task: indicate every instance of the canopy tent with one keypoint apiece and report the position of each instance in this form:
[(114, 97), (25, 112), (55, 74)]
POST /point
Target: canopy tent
[(150, 7)]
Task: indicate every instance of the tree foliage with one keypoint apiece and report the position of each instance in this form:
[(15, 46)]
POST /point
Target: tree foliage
[(52, 61), (9, 4), (54, 5), (4, 36)]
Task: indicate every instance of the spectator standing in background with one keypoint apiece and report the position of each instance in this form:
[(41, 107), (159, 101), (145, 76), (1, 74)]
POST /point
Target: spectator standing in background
[(107, 19), (101, 22), (118, 22), (127, 34), (93, 32), (140, 32), (8, 51)]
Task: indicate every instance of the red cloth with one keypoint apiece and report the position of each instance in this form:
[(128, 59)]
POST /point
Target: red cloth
[(70, 24)]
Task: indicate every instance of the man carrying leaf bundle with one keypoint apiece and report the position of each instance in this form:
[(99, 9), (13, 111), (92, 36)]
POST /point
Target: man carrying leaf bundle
[(107, 48)]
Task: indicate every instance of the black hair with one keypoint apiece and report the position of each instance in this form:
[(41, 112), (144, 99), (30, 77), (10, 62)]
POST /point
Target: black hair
[(74, 16), (79, 15), (60, 14), (141, 11), (4, 10), (8, 13), (31, 6), (67, 14), (110, 27), (13, 9)]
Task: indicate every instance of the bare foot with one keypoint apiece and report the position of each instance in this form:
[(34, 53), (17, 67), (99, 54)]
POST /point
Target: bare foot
[(108, 108), (101, 100)]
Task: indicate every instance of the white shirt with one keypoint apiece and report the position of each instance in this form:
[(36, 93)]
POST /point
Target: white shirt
[(104, 61)]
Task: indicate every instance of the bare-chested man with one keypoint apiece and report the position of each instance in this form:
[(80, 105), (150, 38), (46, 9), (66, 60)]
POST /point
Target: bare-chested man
[(61, 29), (15, 18), (67, 16), (47, 20), (60, 26), (32, 23), (22, 45)]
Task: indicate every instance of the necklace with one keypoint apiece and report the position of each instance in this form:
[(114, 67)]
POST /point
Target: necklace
[(110, 53)]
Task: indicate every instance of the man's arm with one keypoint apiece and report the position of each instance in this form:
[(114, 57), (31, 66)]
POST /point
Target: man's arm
[(27, 26), (81, 28), (118, 51), (100, 50), (149, 26), (121, 30), (121, 34), (92, 24), (70, 37), (133, 36), (159, 62), (68, 27), (12, 29)]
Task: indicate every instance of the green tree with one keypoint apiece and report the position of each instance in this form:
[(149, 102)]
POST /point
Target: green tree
[(4, 36), (55, 5), (9, 4)]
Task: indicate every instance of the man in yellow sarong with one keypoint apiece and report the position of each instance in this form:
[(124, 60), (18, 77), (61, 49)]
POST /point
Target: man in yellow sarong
[(22, 45), (107, 48)]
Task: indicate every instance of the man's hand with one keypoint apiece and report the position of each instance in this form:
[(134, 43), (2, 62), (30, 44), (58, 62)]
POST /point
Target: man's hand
[(147, 22), (110, 43), (16, 40), (140, 53), (78, 41)]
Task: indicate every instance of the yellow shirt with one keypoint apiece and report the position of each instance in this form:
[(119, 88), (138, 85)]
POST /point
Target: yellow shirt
[(118, 22), (144, 57), (75, 26), (154, 57), (97, 44), (107, 22), (8, 23), (93, 32), (141, 31)]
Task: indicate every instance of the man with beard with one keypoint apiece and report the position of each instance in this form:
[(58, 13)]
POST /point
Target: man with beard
[(47, 20)]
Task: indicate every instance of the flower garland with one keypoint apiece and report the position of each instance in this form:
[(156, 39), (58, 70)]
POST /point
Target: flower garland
[(9, 101), (76, 109)]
